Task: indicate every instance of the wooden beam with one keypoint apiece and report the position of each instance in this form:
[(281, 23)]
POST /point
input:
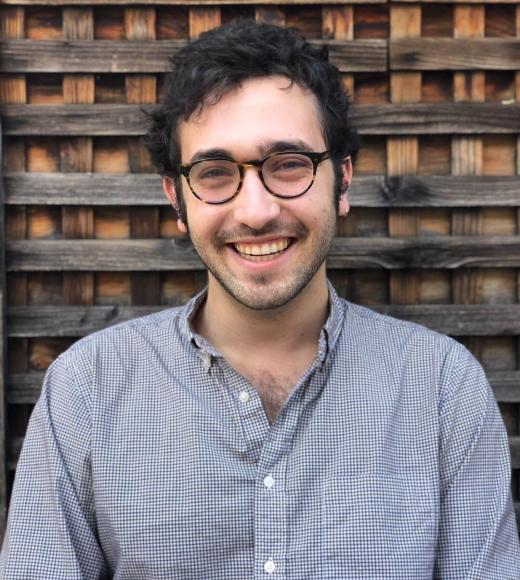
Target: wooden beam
[(454, 54), (387, 119), (25, 388), (152, 56), (365, 191), (170, 254), (3, 356), (183, 2), (76, 321), (454, 1)]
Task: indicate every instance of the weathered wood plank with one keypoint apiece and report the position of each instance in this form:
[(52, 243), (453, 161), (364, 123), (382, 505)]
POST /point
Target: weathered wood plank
[(402, 153), (454, 54), (76, 154), (152, 56), (178, 254), (72, 321), (25, 388), (458, 1), (387, 119), (140, 25), (514, 446), (186, 2), (365, 191), (3, 355)]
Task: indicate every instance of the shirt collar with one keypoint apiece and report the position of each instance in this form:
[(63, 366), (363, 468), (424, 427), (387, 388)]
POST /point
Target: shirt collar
[(328, 336)]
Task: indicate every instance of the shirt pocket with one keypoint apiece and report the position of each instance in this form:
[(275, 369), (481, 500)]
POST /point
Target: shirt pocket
[(379, 526)]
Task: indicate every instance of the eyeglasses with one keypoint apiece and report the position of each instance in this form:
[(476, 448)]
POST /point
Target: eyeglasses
[(285, 175)]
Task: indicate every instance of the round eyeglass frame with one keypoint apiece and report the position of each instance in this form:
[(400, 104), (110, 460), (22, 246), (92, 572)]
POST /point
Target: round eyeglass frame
[(316, 159)]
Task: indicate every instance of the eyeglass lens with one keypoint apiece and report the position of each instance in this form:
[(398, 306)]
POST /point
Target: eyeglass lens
[(287, 174)]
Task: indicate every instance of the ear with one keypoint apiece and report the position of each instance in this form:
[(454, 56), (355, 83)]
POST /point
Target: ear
[(171, 195), (344, 204)]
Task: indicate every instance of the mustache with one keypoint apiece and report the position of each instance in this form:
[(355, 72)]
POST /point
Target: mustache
[(275, 228)]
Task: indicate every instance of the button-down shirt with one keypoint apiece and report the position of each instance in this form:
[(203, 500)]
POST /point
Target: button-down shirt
[(148, 457)]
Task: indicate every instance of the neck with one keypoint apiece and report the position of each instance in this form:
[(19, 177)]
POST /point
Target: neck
[(227, 324)]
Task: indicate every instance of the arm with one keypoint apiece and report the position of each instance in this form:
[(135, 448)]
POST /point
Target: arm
[(51, 529), (478, 538)]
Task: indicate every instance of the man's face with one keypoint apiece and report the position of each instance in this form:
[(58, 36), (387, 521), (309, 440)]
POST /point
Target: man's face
[(292, 236)]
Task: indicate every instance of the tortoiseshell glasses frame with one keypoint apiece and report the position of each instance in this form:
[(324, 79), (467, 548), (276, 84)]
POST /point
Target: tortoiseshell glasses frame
[(237, 175)]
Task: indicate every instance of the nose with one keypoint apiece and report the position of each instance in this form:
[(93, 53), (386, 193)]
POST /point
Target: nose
[(254, 206)]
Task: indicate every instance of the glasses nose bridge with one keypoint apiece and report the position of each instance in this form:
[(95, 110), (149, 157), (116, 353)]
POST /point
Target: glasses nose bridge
[(255, 163)]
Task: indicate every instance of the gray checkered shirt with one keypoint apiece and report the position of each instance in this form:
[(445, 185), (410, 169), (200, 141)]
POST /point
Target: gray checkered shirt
[(148, 457)]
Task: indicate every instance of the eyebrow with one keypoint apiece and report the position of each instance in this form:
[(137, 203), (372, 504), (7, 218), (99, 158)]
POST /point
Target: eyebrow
[(267, 148)]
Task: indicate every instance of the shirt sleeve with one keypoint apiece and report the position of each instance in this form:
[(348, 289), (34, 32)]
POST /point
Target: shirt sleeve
[(51, 531), (478, 538)]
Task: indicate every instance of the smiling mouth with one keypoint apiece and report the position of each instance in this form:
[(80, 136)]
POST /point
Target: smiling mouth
[(262, 252)]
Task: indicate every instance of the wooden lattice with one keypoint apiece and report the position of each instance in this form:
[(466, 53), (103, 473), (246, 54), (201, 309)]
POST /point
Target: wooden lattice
[(434, 233)]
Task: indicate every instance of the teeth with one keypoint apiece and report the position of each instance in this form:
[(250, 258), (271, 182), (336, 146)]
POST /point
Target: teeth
[(263, 249)]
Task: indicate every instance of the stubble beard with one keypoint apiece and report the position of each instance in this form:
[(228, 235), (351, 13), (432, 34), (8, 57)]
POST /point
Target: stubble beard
[(260, 292)]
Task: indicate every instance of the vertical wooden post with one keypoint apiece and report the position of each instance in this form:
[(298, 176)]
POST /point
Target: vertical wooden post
[(466, 152), (3, 359), (77, 155), (338, 24), (13, 90), (144, 221), (403, 152)]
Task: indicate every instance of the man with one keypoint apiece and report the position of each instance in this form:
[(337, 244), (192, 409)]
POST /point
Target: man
[(268, 428)]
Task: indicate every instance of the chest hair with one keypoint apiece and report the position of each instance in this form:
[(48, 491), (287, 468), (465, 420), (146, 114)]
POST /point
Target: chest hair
[(273, 390)]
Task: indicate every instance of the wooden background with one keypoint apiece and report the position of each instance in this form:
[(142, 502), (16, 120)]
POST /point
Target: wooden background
[(434, 233)]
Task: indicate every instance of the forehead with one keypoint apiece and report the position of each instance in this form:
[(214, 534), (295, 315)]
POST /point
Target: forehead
[(257, 112)]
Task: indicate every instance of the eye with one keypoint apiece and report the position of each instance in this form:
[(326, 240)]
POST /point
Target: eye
[(289, 164), (213, 170)]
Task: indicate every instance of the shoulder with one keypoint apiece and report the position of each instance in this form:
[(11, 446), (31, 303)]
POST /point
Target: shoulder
[(122, 345), (412, 349)]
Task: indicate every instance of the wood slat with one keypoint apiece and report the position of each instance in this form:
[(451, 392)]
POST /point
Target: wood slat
[(151, 56), (76, 321), (178, 254), (454, 54), (182, 2), (3, 354), (25, 388), (365, 191), (387, 119), (458, 1)]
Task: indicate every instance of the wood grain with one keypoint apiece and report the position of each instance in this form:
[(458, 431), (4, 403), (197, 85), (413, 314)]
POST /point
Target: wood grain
[(56, 56), (391, 119), (145, 189), (183, 2), (454, 54), (177, 254), (76, 321), (14, 226), (144, 222), (402, 153), (3, 355), (77, 155)]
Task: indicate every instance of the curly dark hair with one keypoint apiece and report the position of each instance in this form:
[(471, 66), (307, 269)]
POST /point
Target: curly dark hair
[(220, 60)]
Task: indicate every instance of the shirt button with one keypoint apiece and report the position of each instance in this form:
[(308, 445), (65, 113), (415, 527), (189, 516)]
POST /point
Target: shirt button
[(270, 566), (244, 396), (269, 481)]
